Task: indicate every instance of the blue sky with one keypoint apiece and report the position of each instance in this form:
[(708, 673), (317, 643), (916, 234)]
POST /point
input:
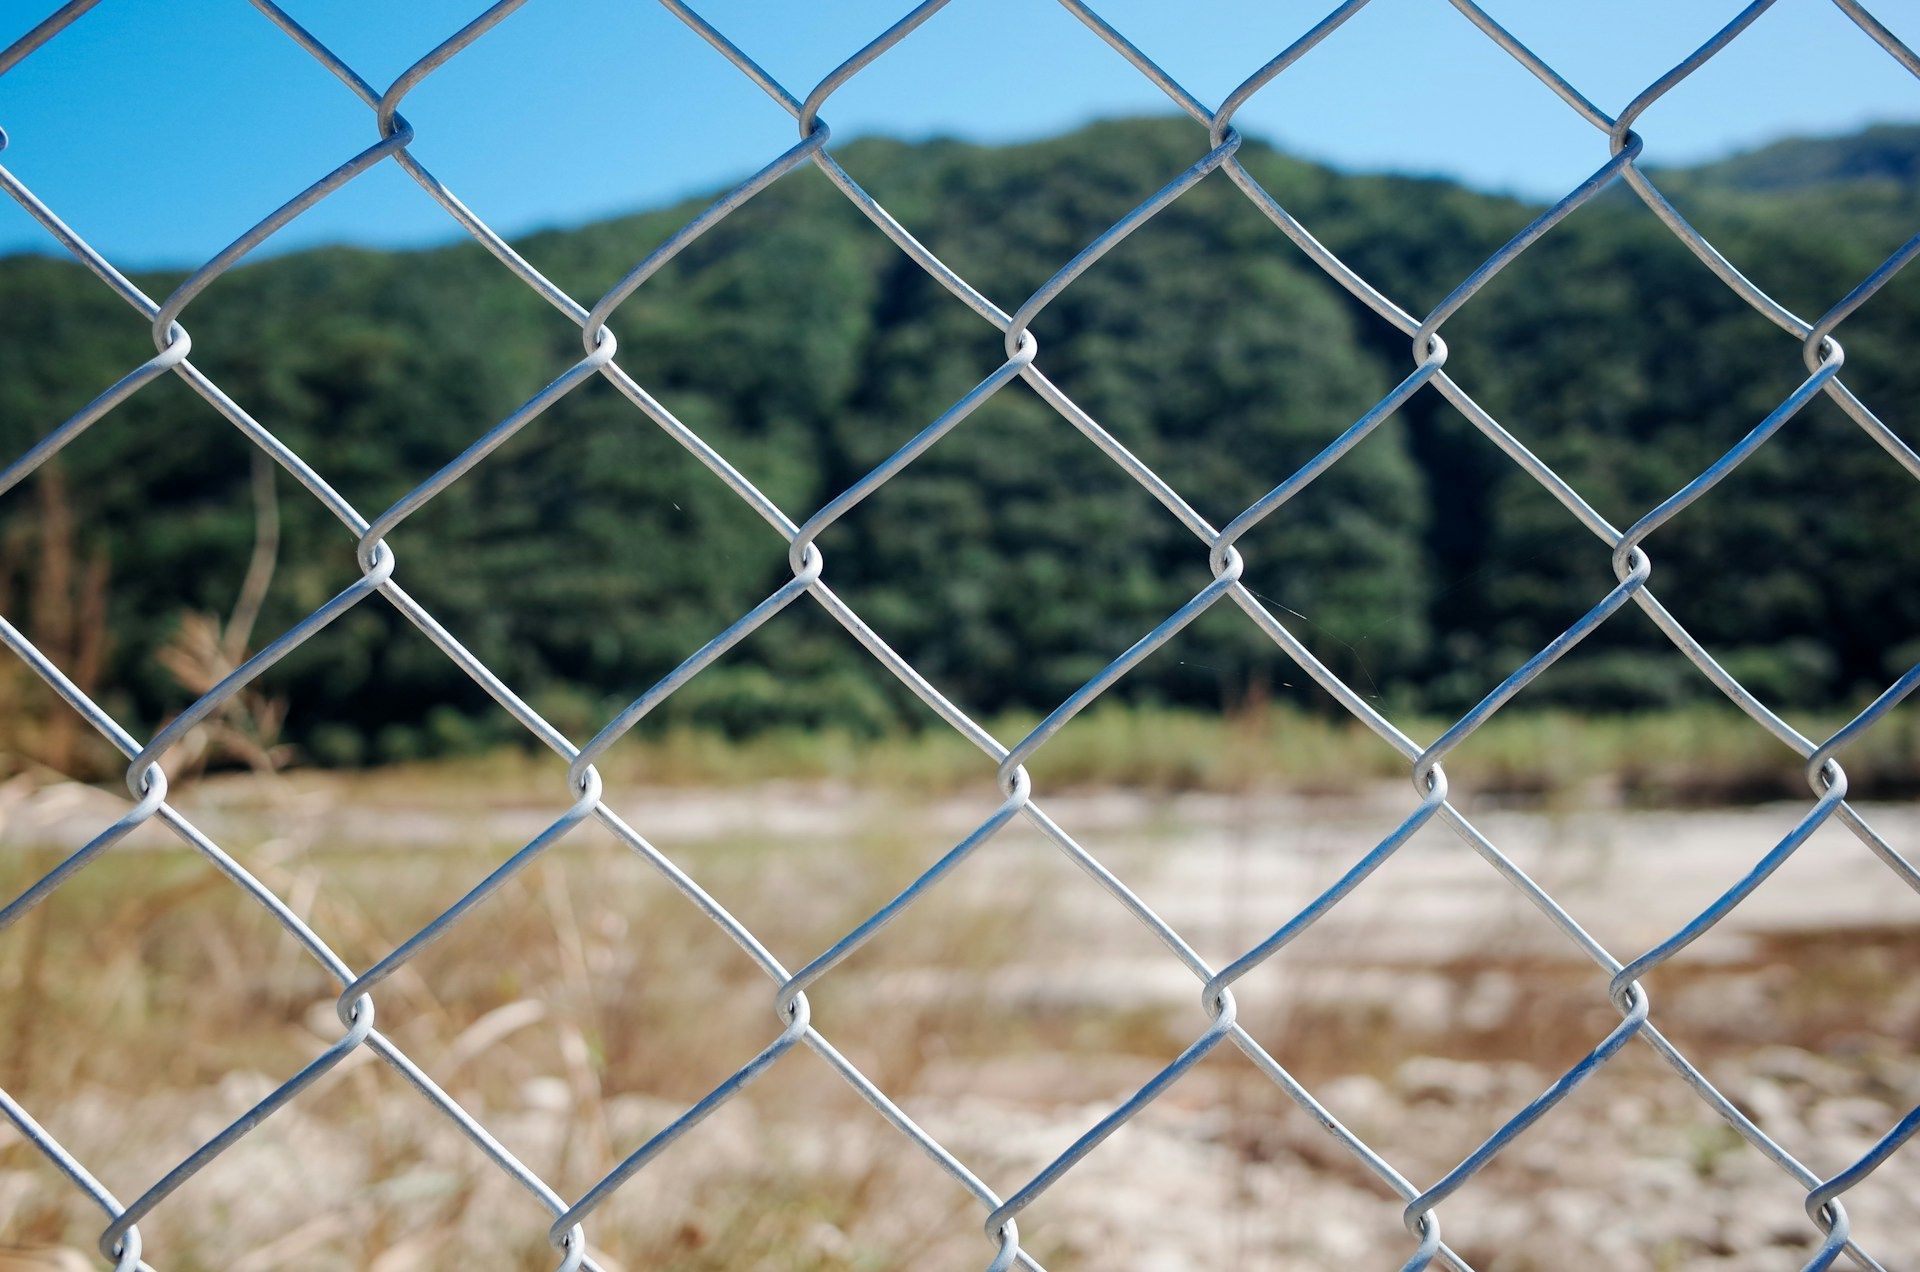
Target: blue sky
[(162, 130)]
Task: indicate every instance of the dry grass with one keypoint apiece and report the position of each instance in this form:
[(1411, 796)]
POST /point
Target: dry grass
[(588, 1003), (1693, 756), (579, 1010)]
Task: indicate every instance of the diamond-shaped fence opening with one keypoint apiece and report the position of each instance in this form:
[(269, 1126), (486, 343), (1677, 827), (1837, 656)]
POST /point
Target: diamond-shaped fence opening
[(1210, 1028)]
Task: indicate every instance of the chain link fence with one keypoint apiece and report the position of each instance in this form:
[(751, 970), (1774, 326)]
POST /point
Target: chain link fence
[(791, 1026)]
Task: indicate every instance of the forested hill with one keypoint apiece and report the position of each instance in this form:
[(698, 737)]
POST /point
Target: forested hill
[(1883, 154), (1010, 562)]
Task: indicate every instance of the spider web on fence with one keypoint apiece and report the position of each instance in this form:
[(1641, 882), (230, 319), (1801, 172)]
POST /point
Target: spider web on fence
[(792, 1026)]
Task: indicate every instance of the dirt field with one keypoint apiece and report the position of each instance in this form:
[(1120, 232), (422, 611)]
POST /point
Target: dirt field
[(585, 1005)]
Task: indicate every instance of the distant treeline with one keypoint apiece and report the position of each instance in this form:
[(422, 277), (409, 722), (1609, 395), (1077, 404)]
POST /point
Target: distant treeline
[(587, 557)]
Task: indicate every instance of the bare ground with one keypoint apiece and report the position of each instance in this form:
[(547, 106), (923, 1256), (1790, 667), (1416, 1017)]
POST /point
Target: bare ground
[(584, 1006)]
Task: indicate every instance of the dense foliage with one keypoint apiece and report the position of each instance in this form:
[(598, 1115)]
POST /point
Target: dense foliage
[(591, 554)]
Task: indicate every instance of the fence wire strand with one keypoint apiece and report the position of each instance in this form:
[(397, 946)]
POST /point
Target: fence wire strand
[(793, 1025)]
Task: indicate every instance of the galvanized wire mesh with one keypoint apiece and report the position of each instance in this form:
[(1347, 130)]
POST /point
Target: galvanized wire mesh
[(1828, 1235)]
